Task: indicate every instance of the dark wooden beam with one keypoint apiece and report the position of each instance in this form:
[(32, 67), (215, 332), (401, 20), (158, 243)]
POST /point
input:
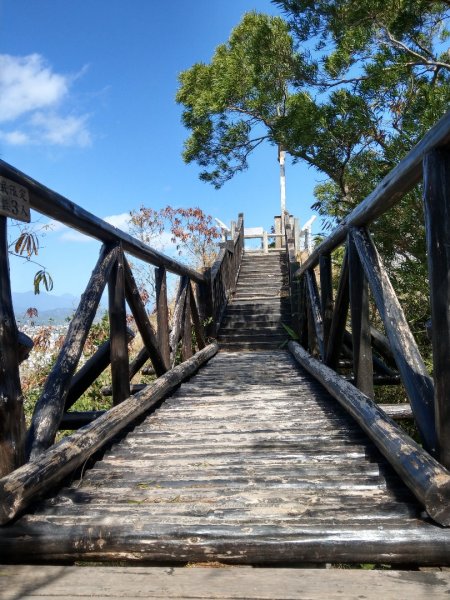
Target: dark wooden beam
[(326, 295), (177, 320), (359, 311), (50, 406), (118, 332), (316, 314), (162, 315), (339, 320), (436, 195), (12, 417), (426, 478), (196, 321), (25, 346), (394, 186), (415, 378), (142, 321), (32, 480), (77, 419), (56, 206), (186, 341)]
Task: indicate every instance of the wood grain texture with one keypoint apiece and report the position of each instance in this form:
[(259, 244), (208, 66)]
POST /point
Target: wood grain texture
[(226, 583), (250, 461), (28, 482), (12, 416), (427, 479), (50, 406)]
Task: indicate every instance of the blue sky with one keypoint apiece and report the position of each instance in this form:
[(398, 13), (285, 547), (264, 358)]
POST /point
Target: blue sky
[(87, 107)]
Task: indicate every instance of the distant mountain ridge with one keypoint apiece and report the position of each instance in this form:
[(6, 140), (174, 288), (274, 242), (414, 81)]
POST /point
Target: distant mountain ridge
[(43, 301), (51, 307)]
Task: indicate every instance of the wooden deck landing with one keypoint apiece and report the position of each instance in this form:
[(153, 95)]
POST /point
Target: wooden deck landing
[(250, 462)]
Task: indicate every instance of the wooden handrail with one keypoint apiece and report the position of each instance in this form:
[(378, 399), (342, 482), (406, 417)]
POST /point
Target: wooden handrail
[(369, 356), (224, 273), (388, 192), (58, 207)]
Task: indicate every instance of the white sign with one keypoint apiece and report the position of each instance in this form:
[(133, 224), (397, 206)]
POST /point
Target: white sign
[(14, 200)]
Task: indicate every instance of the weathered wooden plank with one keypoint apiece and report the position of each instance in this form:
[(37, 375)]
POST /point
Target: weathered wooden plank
[(50, 406), (226, 583), (56, 206), (12, 417), (120, 383), (359, 310), (436, 194), (232, 544), (415, 378), (25, 484), (162, 315), (426, 478), (142, 321)]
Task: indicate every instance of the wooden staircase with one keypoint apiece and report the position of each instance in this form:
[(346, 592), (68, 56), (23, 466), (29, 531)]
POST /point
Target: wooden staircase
[(251, 461), (254, 318)]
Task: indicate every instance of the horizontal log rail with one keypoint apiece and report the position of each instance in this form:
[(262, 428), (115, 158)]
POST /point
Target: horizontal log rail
[(335, 327), (24, 485), (223, 275), (55, 206), (174, 340)]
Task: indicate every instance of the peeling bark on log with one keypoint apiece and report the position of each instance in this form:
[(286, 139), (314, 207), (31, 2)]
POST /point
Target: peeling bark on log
[(50, 406), (413, 372), (12, 418), (118, 332)]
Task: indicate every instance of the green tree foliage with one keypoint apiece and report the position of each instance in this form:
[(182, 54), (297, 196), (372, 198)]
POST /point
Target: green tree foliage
[(234, 103)]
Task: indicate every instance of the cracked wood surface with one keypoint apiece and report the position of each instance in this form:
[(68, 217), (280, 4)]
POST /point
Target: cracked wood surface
[(249, 462)]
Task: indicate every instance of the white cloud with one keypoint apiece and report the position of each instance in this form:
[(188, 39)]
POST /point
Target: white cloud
[(61, 131), (72, 235), (33, 104), (27, 84), (15, 138), (121, 221)]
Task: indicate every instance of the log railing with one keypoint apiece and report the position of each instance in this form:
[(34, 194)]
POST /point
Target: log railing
[(224, 274), (375, 357), (182, 340)]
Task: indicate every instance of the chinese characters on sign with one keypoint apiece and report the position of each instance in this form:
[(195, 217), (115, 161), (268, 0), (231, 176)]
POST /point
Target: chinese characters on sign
[(14, 200)]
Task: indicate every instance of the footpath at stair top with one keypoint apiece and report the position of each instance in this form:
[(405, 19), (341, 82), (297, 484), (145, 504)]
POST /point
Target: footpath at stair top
[(255, 316)]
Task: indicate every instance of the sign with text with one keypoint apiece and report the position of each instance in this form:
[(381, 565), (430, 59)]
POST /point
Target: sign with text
[(14, 200)]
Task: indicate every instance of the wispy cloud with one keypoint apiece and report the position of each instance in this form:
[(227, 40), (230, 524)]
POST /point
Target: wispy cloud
[(121, 221), (33, 104)]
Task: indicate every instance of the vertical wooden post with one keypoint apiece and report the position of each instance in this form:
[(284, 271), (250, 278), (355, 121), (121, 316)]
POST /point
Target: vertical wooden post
[(162, 314), (326, 294), (436, 192), (359, 311), (12, 419), (206, 303), (265, 243), (339, 320), (118, 332), (186, 340)]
